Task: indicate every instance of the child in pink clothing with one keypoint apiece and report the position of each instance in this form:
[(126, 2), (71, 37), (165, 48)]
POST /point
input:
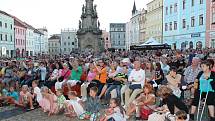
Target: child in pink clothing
[(26, 98), (49, 101)]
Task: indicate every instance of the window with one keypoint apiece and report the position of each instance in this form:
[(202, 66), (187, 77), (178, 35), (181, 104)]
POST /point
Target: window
[(201, 1), (73, 43), (119, 36), (65, 43), (213, 18), (183, 23), (11, 37), (1, 37), (11, 26), (213, 43), (0, 24), (68, 37), (5, 37), (68, 43), (170, 9), (176, 7), (175, 25), (166, 27), (166, 10), (192, 21), (118, 42), (5, 25), (184, 2), (201, 19), (170, 26), (192, 2), (64, 49)]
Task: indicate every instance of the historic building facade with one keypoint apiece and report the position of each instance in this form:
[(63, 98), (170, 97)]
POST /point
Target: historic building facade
[(210, 24), (133, 28), (20, 37), (44, 40), (117, 35), (89, 33), (54, 44), (189, 24), (154, 20), (7, 45), (69, 41), (142, 21), (106, 39)]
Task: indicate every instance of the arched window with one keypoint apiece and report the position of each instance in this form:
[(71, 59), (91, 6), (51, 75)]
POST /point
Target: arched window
[(191, 45)]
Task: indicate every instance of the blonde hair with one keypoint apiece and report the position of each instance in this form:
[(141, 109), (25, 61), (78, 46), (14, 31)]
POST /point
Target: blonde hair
[(164, 91)]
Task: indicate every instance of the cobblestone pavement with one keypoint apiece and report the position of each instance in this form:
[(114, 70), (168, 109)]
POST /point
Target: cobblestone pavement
[(38, 115)]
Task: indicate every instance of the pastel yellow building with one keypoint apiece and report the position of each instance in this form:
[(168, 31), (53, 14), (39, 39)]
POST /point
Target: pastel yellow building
[(154, 20)]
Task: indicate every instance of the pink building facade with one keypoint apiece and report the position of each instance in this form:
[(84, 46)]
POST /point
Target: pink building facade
[(106, 38), (210, 24), (20, 37)]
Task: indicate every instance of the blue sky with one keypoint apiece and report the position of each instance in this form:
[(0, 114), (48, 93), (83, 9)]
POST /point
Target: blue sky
[(60, 14)]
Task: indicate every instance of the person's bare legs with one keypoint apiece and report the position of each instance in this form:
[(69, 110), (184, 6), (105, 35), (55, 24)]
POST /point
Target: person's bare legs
[(30, 102), (131, 109), (104, 89), (211, 110)]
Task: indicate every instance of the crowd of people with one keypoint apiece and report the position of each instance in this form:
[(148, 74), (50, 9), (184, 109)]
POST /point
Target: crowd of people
[(150, 85)]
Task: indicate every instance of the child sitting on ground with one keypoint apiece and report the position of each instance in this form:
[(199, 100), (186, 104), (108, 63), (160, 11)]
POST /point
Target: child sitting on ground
[(181, 116), (26, 98), (74, 106), (60, 100), (92, 105), (49, 101), (36, 91), (115, 112), (13, 96)]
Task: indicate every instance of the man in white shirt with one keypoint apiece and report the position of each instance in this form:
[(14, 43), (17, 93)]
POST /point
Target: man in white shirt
[(137, 80)]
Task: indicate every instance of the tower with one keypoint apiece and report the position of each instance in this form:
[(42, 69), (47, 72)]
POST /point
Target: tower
[(134, 9), (89, 33)]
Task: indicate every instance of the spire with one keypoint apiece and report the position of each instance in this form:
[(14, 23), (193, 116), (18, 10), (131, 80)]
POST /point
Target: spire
[(134, 9)]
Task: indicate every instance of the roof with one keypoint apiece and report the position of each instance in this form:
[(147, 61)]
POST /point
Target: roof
[(4, 13), (38, 32), (29, 26), (54, 37), (18, 22)]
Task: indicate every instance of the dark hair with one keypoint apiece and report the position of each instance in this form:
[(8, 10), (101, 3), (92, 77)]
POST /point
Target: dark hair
[(173, 68), (60, 65), (95, 89), (212, 62), (158, 66), (207, 63), (118, 103), (181, 115)]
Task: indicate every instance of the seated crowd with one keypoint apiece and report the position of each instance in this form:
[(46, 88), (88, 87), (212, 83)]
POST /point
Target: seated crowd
[(149, 88)]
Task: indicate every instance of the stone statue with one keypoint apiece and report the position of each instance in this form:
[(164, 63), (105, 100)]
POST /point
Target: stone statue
[(83, 9), (79, 24), (95, 9), (98, 24)]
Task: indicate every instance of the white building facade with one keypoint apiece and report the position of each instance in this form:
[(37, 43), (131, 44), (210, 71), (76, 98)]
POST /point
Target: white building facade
[(69, 41)]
